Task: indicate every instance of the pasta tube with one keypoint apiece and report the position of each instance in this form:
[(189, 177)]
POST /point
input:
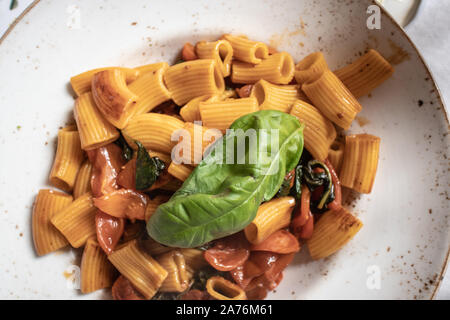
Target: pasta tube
[(222, 289), (272, 215), (246, 50), (150, 67), (178, 279), (194, 78), (336, 155), (77, 221), (194, 259), (333, 99), (275, 97), (365, 74), (144, 272), (190, 111), (95, 131), (83, 181), (96, 271), (331, 232), (319, 132), (68, 159), (193, 142), (153, 130), (113, 97), (221, 114), (221, 51), (311, 67), (153, 204), (154, 248), (81, 83), (180, 171), (360, 162), (46, 237), (277, 68), (150, 89)]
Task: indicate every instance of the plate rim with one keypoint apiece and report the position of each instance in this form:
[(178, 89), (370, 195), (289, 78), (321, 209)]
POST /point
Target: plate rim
[(421, 58)]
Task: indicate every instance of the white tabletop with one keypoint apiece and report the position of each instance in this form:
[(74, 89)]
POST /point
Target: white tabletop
[(429, 30)]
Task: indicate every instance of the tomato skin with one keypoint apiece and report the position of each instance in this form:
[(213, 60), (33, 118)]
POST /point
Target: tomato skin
[(244, 91), (281, 241), (109, 230), (188, 52), (228, 253), (122, 289), (127, 176), (258, 263), (123, 203), (106, 163), (307, 229)]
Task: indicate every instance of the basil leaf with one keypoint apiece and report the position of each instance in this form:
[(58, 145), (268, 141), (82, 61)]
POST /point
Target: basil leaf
[(221, 197), (148, 168), (127, 152)]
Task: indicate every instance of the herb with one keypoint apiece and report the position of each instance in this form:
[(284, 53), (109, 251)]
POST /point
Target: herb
[(298, 182), (220, 198), (315, 180), (285, 186), (13, 4), (179, 61), (148, 168), (127, 152), (202, 275)]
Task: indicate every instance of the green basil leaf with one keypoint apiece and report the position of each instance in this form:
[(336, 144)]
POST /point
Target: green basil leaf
[(148, 168), (221, 197), (127, 152)]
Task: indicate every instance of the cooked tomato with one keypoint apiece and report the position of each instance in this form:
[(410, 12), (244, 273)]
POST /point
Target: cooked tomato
[(127, 176), (282, 262), (109, 230), (188, 52), (258, 263), (244, 91), (122, 289), (106, 163), (281, 241), (196, 295), (123, 203), (228, 253)]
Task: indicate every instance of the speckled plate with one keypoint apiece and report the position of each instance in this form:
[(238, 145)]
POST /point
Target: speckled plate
[(401, 251)]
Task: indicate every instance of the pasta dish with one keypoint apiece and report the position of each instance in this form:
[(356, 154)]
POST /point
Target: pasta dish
[(202, 179)]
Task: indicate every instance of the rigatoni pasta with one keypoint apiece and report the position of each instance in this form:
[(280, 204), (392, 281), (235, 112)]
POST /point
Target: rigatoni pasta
[(77, 221), (192, 79), (83, 181), (332, 232), (319, 133), (220, 50), (178, 279), (113, 97), (153, 130), (46, 237), (277, 68), (271, 216), (310, 68), (275, 97), (144, 272), (332, 98), (365, 74), (95, 131), (246, 50), (68, 159), (151, 90), (81, 83), (221, 114), (96, 271), (359, 165)]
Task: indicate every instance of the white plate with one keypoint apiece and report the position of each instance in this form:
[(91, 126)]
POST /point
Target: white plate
[(405, 238)]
